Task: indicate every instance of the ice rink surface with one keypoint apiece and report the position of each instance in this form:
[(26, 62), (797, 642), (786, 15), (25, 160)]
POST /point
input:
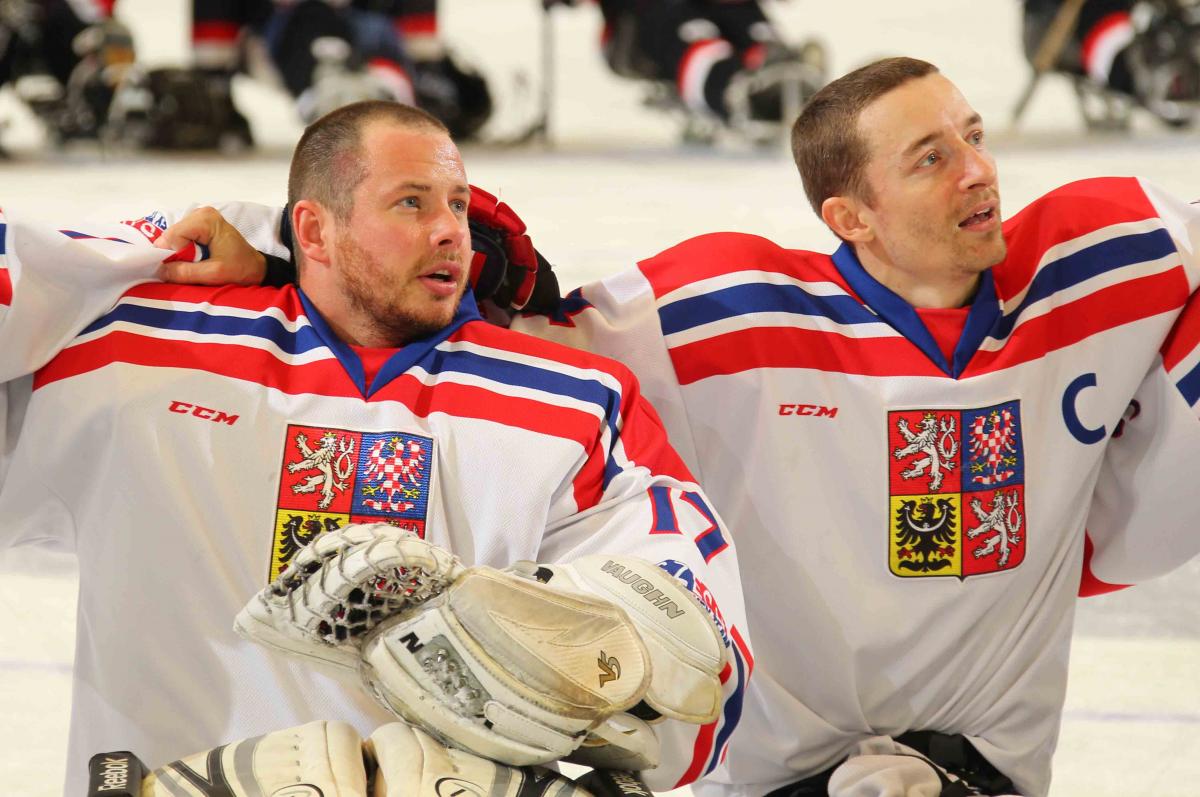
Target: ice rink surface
[(615, 187)]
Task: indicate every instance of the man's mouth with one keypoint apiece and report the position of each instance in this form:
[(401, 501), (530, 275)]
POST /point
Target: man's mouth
[(982, 218), (443, 281)]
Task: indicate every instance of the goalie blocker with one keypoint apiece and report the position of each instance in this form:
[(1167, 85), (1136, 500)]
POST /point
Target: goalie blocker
[(525, 665), (328, 759)]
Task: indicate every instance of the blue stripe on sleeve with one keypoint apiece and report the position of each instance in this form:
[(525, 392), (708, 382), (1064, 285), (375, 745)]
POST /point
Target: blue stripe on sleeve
[(266, 327)]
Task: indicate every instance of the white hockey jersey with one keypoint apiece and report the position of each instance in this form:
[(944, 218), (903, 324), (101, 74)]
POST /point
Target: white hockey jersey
[(911, 530), (185, 441)]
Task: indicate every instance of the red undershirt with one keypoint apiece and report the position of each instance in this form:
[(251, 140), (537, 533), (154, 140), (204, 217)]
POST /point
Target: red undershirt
[(946, 326), (372, 360)]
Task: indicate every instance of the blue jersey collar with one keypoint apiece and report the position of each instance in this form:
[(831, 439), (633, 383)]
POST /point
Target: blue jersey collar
[(405, 357), (984, 313)]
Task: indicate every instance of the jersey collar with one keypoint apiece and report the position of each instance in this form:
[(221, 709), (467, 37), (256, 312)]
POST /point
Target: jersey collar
[(405, 357), (984, 313)]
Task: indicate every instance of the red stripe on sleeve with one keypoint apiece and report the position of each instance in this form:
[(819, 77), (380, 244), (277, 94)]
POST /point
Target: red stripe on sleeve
[(6, 289), (644, 438), (702, 749), (724, 253), (1089, 585), (1184, 336), (788, 347), (1098, 312), (253, 298), (1065, 213), (323, 378), (743, 647)]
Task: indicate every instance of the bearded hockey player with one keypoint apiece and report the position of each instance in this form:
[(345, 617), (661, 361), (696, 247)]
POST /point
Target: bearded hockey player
[(192, 444)]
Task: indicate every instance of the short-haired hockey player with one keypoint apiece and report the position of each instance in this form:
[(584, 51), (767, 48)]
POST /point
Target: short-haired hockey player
[(188, 444), (947, 421), (926, 440)]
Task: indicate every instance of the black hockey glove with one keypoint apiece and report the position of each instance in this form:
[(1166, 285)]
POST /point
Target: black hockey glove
[(506, 269)]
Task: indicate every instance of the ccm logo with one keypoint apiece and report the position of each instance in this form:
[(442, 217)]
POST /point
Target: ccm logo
[(815, 410), (216, 416)]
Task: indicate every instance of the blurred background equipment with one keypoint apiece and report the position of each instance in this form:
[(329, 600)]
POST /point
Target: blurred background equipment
[(718, 64), (328, 54), (1120, 55)]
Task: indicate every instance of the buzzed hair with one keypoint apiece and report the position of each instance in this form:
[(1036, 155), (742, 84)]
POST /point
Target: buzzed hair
[(327, 165), (826, 145)]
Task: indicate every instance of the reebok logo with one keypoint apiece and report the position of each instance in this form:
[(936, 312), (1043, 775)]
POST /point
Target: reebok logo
[(195, 410), (610, 668), (628, 784), (114, 773)]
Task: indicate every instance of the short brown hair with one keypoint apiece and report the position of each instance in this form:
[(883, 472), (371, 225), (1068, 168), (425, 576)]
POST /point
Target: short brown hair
[(328, 165), (826, 146)]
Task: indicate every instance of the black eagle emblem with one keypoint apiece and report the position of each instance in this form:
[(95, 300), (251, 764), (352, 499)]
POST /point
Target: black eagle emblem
[(926, 534), (298, 531)]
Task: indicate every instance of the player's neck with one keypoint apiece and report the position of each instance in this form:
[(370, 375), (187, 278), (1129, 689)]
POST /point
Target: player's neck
[(946, 289)]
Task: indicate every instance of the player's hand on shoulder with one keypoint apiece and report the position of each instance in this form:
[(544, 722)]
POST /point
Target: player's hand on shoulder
[(231, 259), (507, 270)]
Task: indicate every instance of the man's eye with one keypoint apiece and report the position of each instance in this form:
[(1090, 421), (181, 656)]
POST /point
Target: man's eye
[(930, 159), (976, 138), (459, 206), (410, 202)]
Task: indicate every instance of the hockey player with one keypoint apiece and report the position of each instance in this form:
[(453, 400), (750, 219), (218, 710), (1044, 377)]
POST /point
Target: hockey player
[(330, 54), (719, 59), (929, 441), (188, 442)]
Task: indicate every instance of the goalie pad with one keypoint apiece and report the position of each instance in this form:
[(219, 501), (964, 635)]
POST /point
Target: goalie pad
[(320, 758), (340, 586), (508, 668), (411, 763)]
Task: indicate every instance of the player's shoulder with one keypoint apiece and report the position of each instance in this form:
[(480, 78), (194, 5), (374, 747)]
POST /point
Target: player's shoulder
[(720, 254), (510, 345), (233, 299), (1085, 205)]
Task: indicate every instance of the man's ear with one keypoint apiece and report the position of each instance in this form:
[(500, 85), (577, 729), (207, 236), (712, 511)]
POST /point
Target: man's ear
[(847, 218), (312, 231)]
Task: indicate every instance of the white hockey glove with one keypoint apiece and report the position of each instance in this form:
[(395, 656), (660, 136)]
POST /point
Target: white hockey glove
[(411, 763), (320, 758), (527, 672), (506, 667), (342, 584), (686, 652), (329, 759)]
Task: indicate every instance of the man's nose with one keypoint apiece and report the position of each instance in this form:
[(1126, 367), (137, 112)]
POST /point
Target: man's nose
[(448, 229), (979, 168)]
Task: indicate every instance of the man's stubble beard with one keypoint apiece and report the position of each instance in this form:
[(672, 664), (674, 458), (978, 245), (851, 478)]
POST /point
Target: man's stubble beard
[(383, 310)]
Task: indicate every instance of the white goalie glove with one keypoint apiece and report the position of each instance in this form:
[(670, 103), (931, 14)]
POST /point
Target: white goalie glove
[(523, 666), (339, 586), (329, 759)]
